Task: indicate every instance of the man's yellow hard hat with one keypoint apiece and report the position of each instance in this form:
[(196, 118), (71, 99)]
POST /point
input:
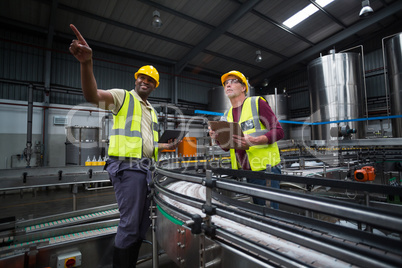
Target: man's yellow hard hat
[(150, 71), (235, 73)]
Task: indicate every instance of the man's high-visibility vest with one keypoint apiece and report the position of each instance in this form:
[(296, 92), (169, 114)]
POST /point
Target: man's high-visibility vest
[(126, 136)]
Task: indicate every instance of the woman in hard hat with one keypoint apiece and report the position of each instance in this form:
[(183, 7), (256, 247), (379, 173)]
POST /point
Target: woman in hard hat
[(133, 147)]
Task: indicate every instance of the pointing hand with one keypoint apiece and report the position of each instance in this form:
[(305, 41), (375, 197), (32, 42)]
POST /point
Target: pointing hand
[(79, 47)]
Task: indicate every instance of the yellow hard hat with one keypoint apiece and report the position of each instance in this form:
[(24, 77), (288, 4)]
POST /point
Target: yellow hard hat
[(150, 71), (235, 73)]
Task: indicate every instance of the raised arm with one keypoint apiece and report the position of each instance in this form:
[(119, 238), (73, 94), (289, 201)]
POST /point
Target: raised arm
[(83, 53)]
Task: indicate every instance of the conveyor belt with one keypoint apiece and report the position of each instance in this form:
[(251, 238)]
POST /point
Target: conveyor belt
[(276, 237), (72, 220), (304, 254), (61, 228), (58, 239)]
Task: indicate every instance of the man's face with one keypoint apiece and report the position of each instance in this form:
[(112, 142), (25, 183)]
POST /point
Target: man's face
[(234, 87), (144, 85)]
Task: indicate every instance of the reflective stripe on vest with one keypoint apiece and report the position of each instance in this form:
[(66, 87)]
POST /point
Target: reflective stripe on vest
[(155, 132), (126, 137), (259, 156)]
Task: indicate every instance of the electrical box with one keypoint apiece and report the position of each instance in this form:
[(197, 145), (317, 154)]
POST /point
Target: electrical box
[(188, 147), (68, 260)]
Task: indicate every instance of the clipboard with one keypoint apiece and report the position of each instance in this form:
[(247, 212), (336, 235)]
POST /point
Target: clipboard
[(225, 131), (172, 134)]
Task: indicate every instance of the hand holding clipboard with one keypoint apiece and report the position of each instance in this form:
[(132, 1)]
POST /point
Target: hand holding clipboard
[(227, 134)]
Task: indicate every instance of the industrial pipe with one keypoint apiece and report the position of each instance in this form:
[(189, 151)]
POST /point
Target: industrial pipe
[(28, 149)]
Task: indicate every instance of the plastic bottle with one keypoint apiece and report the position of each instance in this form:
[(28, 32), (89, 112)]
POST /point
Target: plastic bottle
[(100, 162), (88, 162), (94, 162)]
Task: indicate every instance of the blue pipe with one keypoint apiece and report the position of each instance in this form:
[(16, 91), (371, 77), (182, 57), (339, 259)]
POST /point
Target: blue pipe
[(207, 112), (340, 121), (316, 123)]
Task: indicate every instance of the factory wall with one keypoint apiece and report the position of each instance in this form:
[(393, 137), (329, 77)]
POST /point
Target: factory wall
[(23, 61), (191, 84), (13, 134)]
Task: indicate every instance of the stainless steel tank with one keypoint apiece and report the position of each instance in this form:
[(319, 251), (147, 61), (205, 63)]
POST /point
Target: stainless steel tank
[(218, 101), (82, 142), (394, 66), (337, 93), (279, 105)]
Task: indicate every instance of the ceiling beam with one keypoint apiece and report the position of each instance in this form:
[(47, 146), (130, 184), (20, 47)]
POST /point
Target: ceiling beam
[(122, 25), (234, 60), (270, 51), (154, 35), (124, 51), (211, 27), (279, 25), (331, 41), (282, 27), (328, 14), (218, 31), (177, 13)]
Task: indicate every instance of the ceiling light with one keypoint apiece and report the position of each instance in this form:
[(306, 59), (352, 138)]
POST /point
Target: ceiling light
[(156, 21), (323, 3), (265, 82), (258, 58), (305, 13), (366, 9)]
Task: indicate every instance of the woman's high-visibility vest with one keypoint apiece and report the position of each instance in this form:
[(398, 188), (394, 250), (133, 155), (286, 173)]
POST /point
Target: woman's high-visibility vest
[(259, 156), (126, 137)]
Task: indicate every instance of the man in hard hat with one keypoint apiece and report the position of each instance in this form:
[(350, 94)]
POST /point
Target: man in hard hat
[(258, 147), (132, 148)]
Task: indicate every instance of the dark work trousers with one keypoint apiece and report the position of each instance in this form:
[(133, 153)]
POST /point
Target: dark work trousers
[(274, 184), (130, 181)]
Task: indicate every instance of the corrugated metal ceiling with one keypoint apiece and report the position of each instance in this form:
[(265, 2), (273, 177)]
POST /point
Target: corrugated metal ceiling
[(210, 35)]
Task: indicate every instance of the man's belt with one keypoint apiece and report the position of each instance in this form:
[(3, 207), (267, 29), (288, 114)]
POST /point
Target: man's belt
[(143, 162)]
